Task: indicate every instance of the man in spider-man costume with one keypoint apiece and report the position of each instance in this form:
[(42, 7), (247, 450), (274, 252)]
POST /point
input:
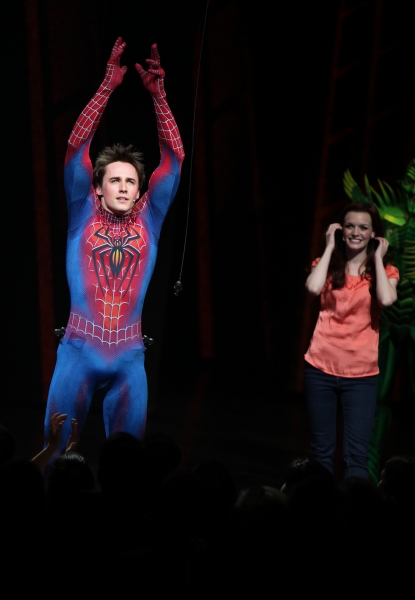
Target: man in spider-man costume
[(112, 244)]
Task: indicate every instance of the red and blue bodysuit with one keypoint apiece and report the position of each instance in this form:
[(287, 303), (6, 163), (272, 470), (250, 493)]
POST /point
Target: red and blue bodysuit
[(110, 260)]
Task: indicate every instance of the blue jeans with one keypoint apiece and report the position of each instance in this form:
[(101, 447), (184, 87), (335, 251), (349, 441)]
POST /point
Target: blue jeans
[(357, 398)]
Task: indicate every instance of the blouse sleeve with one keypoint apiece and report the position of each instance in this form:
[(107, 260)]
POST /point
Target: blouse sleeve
[(392, 272)]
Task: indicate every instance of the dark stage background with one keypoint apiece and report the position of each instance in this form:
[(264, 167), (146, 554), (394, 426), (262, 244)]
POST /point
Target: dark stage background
[(255, 95)]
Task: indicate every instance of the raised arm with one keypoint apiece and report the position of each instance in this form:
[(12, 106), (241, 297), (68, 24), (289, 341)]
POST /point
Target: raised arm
[(54, 441), (317, 278), (170, 142), (78, 167), (90, 117), (385, 288)]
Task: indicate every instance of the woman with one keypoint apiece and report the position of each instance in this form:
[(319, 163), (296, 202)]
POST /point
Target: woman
[(354, 284)]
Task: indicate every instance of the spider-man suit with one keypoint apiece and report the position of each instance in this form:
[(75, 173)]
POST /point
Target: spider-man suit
[(109, 263)]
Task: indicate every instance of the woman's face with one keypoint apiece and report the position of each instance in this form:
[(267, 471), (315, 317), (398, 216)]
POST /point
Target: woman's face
[(357, 230)]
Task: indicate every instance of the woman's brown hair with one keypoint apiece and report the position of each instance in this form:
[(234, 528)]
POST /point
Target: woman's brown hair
[(338, 261)]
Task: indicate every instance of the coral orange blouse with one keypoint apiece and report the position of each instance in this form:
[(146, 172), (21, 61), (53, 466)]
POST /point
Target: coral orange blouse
[(346, 336)]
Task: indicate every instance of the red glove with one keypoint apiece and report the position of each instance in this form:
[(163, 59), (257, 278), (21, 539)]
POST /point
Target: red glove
[(115, 73), (153, 79)]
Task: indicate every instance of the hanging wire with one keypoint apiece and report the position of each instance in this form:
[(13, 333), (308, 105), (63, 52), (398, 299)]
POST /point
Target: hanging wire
[(178, 285)]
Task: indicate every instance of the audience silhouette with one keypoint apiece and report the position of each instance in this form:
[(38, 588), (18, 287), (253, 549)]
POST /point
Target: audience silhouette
[(191, 530)]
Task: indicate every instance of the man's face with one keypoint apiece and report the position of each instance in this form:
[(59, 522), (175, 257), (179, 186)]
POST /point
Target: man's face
[(119, 190)]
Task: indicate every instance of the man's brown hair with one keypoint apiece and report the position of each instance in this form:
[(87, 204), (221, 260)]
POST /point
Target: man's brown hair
[(118, 153)]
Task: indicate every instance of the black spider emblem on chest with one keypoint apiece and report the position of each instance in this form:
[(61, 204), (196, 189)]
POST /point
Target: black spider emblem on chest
[(118, 254)]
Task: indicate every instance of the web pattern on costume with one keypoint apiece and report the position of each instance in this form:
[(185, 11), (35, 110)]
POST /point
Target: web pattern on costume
[(90, 117), (114, 255), (111, 338), (166, 126)]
